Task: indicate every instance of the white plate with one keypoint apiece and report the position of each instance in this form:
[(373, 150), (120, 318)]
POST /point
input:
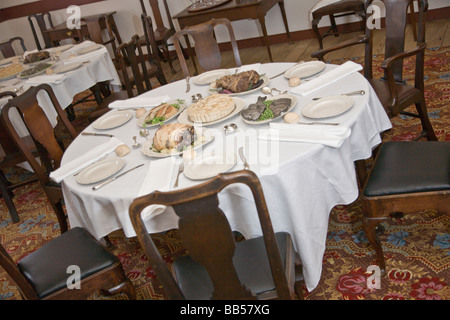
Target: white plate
[(209, 166), (184, 118), (328, 107), (291, 106), (112, 120), (88, 49), (100, 170), (7, 61), (12, 75), (147, 147), (67, 68), (265, 83), (210, 76), (305, 69), (141, 120)]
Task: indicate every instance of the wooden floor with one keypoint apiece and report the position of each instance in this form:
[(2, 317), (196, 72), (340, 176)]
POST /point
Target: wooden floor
[(437, 35)]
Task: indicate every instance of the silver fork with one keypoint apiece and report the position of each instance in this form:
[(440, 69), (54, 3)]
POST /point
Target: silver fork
[(180, 170)]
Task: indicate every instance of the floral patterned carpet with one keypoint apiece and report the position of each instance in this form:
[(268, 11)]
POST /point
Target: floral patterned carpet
[(417, 246)]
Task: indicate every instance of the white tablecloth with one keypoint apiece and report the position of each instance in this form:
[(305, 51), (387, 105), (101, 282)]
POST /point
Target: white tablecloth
[(100, 68), (302, 182)]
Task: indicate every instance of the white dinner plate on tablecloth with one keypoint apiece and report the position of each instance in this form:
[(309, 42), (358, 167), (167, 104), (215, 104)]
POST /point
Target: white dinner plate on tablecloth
[(210, 76), (141, 119), (66, 68), (265, 82), (208, 166), (147, 148), (112, 120), (7, 61), (328, 107), (100, 170), (239, 105), (291, 106), (305, 69)]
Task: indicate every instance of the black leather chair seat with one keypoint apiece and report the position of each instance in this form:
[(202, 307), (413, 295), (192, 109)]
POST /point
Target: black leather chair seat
[(46, 268), (250, 260), (406, 167)]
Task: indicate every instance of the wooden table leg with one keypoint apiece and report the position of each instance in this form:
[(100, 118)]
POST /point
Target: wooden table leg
[(283, 13), (262, 21)]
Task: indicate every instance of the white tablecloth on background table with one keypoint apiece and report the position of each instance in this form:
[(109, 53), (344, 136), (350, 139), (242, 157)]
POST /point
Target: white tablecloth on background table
[(302, 182), (99, 69)]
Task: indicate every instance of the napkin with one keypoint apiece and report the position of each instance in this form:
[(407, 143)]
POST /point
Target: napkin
[(138, 102), (158, 177), (332, 136), (248, 67), (327, 78), (83, 57), (84, 160), (47, 78)]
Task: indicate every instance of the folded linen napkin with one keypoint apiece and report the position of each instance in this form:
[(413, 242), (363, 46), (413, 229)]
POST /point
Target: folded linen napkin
[(327, 78), (158, 177), (47, 78), (84, 160), (248, 67), (332, 136), (138, 102)]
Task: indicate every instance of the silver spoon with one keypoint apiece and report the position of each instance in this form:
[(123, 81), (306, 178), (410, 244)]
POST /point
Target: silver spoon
[(360, 92), (136, 144), (230, 128), (267, 90), (143, 133)]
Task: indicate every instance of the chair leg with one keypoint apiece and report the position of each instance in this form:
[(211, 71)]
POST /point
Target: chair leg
[(61, 216), (7, 196), (370, 225), (125, 287), (315, 28), (427, 128)]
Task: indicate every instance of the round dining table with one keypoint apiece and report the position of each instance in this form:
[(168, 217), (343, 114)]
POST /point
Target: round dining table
[(302, 181)]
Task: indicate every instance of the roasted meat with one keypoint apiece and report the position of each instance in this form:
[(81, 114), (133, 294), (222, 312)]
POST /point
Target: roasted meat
[(240, 82), (173, 136), (254, 110)]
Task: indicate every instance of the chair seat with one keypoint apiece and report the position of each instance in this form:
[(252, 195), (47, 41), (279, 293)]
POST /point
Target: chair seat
[(404, 92), (46, 268), (338, 7), (406, 167), (252, 266)]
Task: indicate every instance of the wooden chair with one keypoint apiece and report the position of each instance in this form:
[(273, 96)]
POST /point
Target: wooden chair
[(162, 33), (44, 22), (45, 273), (394, 93), (335, 10), (206, 46), (406, 177), (11, 156), (216, 266), (50, 149), (136, 72), (7, 48)]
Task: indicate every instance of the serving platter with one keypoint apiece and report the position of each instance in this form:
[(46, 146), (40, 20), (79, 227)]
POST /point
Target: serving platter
[(328, 107), (208, 166), (37, 73), (147, 150), (265, 82), (18, 67), (305, 69), (112, 120), (281, 96), (141, 120), (209, 77), (239, 105), (100, 170)]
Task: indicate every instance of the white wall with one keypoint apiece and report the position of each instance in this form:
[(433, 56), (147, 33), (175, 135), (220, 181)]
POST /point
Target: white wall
[(129, 11)]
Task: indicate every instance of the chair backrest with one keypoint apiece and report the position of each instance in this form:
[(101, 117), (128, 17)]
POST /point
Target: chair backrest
[(159, 22), (130, 55), (43, 25), (24, 287), (396, 21), (41, 130), (206, 46), (150, 41), (7, 48), (207, 235)]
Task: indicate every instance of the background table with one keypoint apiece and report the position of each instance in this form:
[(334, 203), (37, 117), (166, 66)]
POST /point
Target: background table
[(302, 182), (236, 10)]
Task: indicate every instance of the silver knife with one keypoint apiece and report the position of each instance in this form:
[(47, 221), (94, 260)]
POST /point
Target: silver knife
[(96, 134), (188, 85), (98, 186)]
